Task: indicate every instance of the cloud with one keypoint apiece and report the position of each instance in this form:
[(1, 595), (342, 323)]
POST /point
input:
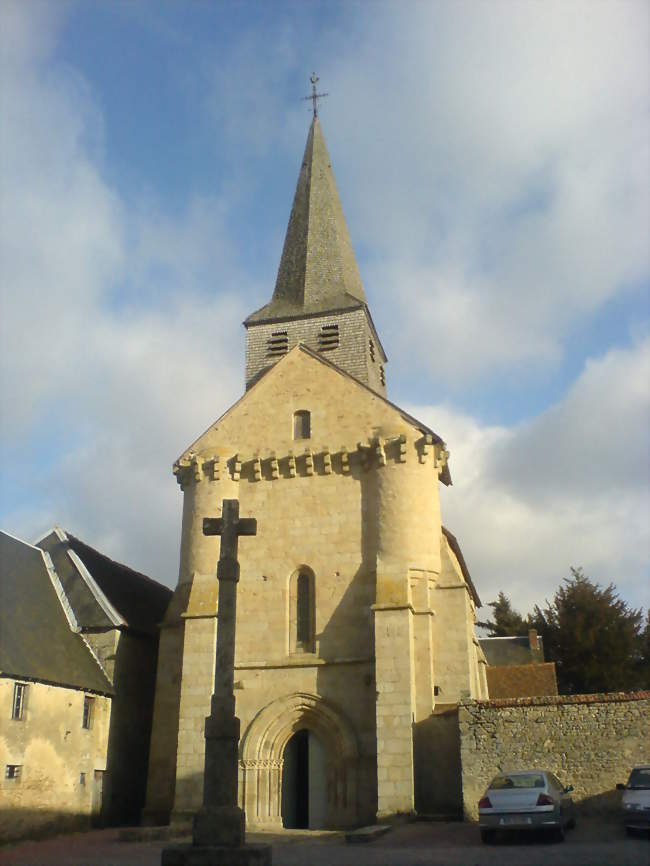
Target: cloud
[(117, 344), (499, 162), (493, 165), (568, 487)]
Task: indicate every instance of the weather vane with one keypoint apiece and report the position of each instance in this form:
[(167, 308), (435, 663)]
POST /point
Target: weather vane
[(315, 96)]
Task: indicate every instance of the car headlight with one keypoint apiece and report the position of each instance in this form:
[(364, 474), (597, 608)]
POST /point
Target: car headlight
[(631, 806)]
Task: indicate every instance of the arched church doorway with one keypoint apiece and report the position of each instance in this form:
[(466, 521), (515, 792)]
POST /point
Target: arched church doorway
[(304, 782)]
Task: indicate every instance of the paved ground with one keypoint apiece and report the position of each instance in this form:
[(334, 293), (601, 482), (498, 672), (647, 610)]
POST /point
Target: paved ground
[(592, 843)]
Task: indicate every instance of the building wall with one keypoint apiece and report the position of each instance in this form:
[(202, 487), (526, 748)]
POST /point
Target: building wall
[(459, 665), (161, 776), (130, 729), (588, 741), (358, 505), (129, 659), (52, 749)]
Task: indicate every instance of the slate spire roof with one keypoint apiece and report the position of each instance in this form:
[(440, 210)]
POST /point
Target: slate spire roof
[(318, 271)]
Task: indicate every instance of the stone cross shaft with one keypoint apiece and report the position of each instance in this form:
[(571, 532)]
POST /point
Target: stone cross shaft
[(229, 526), (220, 821)]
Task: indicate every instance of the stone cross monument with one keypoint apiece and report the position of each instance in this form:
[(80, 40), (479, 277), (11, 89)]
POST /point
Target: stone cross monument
[(219, 826)]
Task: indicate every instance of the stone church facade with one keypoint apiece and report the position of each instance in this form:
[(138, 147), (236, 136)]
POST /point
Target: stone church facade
[(355, 609)]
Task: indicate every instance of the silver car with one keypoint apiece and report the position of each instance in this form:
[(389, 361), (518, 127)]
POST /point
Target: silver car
[(526, 800), (636, 799)]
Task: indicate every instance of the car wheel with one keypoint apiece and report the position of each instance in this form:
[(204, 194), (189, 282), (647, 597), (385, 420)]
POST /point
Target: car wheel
[(487, 836)]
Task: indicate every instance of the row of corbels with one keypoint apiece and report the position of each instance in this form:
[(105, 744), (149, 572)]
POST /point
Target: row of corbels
[(197, 467)]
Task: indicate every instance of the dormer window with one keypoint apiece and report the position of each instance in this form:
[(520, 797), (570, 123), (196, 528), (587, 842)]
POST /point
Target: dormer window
[(328, 338), (277, 344), (302, 424)]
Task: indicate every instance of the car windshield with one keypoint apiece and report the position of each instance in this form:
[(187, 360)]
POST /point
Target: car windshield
[(639, 779), (523, 780)]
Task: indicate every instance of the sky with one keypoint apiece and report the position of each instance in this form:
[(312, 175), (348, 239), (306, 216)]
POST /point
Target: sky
[(492, 161)]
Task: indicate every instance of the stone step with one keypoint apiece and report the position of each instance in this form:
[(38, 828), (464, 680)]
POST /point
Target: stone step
[(444, 817), (367, 834)]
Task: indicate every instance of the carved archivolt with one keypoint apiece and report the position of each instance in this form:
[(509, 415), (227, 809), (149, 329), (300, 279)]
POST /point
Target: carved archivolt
[(260, 765), (273, 727)]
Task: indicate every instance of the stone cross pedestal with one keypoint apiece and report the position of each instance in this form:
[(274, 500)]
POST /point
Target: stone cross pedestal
[(218, 833)]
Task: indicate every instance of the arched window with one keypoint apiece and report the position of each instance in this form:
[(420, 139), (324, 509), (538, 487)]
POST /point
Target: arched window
[(302, 611), (302, 424)]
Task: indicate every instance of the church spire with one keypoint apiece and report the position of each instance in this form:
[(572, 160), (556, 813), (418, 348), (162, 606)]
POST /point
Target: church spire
[(318, 298), (318, 271)]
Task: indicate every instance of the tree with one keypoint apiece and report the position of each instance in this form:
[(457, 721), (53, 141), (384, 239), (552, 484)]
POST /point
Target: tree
[(506, 621), (593, 637), (644, 661)]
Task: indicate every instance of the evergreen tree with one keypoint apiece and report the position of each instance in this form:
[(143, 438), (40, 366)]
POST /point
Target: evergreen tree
[(594, 638), (506, 621), (644, 653)]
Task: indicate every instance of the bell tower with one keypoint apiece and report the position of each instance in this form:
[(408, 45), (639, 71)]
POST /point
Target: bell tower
[(318, 298)]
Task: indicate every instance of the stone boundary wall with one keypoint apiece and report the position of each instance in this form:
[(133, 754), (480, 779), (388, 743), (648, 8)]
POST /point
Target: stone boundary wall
[(588, 741)]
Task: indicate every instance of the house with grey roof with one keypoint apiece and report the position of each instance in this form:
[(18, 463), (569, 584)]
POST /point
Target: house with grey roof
[(78, 648)]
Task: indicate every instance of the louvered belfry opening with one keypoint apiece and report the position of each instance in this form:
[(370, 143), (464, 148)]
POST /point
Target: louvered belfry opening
[(328, 338), (278, 344)]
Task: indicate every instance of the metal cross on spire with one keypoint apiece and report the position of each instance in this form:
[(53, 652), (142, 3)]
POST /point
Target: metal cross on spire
[(315, 96)]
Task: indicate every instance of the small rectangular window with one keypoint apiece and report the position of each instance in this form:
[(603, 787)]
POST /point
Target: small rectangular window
[(12, 771), (82, 779), (302, 425), (18, 705), (89, 706)]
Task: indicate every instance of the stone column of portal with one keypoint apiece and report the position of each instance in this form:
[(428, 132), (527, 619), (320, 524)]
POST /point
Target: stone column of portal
[(408, 538)]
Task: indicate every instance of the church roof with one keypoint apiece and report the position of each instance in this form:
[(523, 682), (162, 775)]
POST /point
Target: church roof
[(40, 641), (104, 593), (318, 271), (458, 553)]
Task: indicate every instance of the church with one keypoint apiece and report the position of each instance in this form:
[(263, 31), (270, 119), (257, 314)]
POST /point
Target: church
[(355, 608)]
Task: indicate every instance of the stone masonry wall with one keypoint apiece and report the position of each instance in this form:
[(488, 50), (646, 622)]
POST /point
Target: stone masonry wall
[(588, 741), (61, 763)]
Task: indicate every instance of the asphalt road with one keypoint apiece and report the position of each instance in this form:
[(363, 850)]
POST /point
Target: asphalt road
[(592, 843)]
